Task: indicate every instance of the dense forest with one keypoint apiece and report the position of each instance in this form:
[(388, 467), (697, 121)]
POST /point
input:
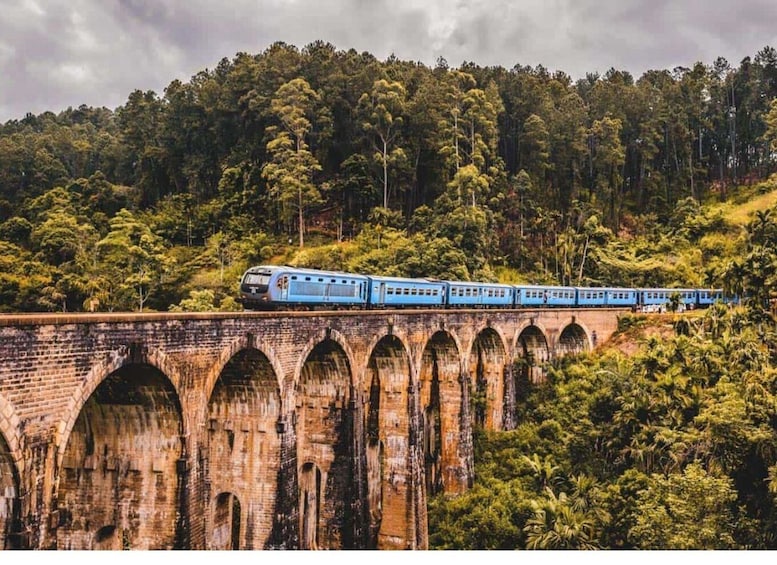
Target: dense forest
[(334, 159)]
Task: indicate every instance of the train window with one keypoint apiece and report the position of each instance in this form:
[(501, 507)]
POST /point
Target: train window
[(406, 291), (307, 278), (414, 291), (294, 277), (428, 292), (389, 290)]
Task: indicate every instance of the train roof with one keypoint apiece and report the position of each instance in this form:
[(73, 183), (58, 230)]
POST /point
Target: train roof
[(405, 280), (606, 288), (660, 289), (477, 283), (543, 286), (305, 271)]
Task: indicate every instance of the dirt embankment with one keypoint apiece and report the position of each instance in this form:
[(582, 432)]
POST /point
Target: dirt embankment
[(635, 329)]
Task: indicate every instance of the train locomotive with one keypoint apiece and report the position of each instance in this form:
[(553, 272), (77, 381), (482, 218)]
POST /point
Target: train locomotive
[(272, 287)]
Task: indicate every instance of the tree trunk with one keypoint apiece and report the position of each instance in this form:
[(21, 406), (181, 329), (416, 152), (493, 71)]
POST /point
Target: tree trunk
[(385, 174), (301, 219)]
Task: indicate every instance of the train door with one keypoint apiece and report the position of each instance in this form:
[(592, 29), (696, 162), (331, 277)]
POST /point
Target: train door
[(480, 295), (283, 283), (327, 291), (382, 294)]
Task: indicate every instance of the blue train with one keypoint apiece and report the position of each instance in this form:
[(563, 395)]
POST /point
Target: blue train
[(269, 287)]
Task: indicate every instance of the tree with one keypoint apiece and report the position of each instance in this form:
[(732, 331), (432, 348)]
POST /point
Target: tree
[(608, 156), (692, 510), (290, 173), (382, 111), (556, 524), (770, 136), (131, 263)]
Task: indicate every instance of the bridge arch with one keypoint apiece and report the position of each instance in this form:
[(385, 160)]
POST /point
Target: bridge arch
[(228, 522), (532, 349), (574, 338), (323, 431), (11, 464), (114, 361), (242, 343), (386, 415), (123, 460), (441, 381), (487, 362), (327, 335), (244, 450)]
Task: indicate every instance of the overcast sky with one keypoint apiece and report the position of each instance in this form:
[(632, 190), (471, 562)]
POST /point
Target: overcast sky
[(60, 53)]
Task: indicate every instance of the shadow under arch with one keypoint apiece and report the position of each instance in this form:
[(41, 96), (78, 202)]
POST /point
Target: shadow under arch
[(573, 339), (531, 352), (122, 476)]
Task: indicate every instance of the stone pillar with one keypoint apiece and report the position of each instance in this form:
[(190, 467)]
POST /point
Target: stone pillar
[(508, 422), (359, 502), (466, 450), (418, 526), (285, 531)]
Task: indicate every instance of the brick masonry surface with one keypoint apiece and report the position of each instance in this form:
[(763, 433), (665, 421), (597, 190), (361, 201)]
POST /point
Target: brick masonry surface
[(256, 430)]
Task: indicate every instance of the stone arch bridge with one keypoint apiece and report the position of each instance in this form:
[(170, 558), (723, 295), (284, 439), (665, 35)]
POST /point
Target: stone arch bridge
[(256, 430)]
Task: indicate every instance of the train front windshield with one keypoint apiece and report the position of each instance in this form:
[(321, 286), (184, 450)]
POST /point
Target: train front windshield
[(262, 279)]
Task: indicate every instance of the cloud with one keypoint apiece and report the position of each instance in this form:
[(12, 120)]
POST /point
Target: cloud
[(60, 53)]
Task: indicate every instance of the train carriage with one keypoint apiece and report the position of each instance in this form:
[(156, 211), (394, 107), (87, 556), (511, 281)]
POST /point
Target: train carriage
[(267, 286), (606, 297), (401, 292), (658, 299), (708, 297), (479, 295), (536, 295)]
